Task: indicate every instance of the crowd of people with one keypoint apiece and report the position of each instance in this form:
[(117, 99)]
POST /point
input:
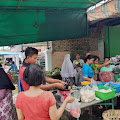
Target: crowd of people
[(84, 71), (33, 101)]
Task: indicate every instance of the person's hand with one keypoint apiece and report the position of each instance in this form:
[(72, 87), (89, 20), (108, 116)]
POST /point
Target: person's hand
[(96, 72), (62, 82), (59, 85), (69, 99), (112, 60), (75, 66)]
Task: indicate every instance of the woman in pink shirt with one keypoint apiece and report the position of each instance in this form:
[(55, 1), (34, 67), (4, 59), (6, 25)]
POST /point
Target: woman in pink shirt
[(36, 104)]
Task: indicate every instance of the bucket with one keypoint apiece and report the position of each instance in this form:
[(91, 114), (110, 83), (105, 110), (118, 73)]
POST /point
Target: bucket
[(64, 94)]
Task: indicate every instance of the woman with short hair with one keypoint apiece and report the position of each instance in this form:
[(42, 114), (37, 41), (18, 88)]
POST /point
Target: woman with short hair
[(36, 104)]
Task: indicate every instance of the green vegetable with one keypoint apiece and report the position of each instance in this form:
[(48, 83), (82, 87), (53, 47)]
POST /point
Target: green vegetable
[(55, 71)]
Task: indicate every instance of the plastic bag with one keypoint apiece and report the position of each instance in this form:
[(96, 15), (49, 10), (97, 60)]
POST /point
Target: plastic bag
[(87, 94), (94, 84), (75, 110)]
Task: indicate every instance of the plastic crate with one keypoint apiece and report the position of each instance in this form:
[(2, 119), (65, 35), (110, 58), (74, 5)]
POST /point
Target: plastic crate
[(105, 96), (112, 85)]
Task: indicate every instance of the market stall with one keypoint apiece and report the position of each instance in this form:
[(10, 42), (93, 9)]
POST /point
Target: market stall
[(103, 98), (2, 53)]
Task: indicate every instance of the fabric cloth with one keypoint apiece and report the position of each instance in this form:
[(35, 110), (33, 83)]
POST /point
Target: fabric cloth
[(67, 68), (20, 88), (14, 68), (39, 109), (79, 74), (106, 76), (106, 69), (24, 85), (87, 71), (7, 111), (5, 82)]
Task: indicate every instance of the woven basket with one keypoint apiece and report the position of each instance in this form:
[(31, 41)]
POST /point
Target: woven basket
[(111, 115)]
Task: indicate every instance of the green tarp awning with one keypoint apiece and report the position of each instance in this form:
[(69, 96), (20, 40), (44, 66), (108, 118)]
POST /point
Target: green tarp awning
[(27, 21)]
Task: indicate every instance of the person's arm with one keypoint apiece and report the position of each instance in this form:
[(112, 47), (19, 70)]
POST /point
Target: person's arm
[(18, 106), (56, 114), (88, 79), (20, 114), (74, 64), (104, 64), (10, 68), (50, 80), (24, 84), (82, 63), (50, 86), (81, 66)]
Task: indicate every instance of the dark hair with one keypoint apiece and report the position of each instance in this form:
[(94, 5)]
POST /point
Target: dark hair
[(34, 75), (30, 51), (12, 62), (89, 57), (96, 57), (107, 58)]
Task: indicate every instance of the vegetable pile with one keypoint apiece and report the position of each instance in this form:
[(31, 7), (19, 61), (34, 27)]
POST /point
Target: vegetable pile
[(55, 71)]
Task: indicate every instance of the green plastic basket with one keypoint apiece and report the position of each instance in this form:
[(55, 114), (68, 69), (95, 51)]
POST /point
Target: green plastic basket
[(105, 96)]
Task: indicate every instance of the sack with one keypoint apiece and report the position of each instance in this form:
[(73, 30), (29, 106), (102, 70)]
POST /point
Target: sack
[(106, 76), (87, 94), (75, 110)]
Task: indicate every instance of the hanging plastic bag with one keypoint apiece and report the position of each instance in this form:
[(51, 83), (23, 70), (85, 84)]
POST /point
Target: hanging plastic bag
[(75, 109)]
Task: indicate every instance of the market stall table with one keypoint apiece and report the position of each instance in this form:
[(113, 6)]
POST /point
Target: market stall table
[(90, 104)]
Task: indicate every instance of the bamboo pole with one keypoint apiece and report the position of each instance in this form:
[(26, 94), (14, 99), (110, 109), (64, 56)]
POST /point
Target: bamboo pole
[(3, 62)]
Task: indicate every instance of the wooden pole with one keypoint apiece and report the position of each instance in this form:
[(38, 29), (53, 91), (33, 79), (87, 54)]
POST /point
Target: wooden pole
[(3, 62)]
